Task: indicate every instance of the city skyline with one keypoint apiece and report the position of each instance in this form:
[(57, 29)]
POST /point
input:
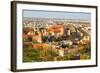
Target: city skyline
[(56, 14)]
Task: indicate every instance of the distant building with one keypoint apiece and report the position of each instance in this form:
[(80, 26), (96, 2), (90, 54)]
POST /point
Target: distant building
[(56, 30), (68, 33), (76, 41), (85, 40), (61, 52), (66, 43)]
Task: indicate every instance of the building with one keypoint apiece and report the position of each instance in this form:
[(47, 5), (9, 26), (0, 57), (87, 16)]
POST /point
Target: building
[(85, 40), (57, 30)]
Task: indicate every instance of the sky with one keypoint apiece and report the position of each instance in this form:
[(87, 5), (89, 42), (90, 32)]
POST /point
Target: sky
[(56, 14)]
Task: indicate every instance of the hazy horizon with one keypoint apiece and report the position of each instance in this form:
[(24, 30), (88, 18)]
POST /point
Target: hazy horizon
[(56, 15)]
